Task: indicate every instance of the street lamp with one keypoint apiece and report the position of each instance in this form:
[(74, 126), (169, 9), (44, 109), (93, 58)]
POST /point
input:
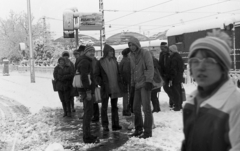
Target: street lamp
[(32, 74)]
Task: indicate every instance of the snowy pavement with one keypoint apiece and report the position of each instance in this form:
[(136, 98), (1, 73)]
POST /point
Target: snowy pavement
[(167, 135)]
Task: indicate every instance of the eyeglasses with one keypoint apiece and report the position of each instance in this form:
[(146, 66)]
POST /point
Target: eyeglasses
[(207, 62)]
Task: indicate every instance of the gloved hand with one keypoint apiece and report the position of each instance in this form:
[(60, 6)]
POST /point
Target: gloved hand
[(148, 86)]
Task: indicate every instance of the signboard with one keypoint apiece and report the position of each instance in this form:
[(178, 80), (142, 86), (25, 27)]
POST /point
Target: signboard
[(67, 20), (68, 34), (22, 46), (90, 21)]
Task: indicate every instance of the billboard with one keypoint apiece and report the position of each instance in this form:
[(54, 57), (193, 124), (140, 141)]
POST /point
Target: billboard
[(90, 21)]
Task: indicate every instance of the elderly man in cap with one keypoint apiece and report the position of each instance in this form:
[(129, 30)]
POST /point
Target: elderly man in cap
[(85, 68), (176, 69), (142, 71), (164, 64)]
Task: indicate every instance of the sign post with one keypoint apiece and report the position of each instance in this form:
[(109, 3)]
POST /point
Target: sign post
[(32, 74)]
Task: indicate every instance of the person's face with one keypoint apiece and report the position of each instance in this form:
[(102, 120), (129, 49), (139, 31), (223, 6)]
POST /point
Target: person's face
[(61, 62), (66, 57), (163, 48), (132, 47), (205, 72), (90, 53), (76, 55), (110, 53)]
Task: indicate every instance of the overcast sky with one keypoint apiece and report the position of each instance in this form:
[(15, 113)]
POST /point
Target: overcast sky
[(161, 15)]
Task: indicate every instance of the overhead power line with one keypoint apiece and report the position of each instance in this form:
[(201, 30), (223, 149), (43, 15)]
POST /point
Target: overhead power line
[(192, 20), (158, 11), (139, 11), (184, 21), (170, 15)]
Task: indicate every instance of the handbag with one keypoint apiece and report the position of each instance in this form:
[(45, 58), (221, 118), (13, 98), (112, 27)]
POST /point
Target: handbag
[(77, 82), (97, 93), (183, 93), (54, 83)]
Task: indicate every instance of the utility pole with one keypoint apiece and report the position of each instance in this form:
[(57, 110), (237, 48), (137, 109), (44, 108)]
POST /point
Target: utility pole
[(102, 32), (32, 74), (44, 30)]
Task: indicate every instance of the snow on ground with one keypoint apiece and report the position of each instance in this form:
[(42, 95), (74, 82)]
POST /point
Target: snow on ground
[(167, 135)]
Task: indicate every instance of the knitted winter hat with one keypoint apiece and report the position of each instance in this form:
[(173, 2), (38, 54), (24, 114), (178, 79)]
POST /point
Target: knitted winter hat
[(65, 53), (88, 48), (218, 42), (173, 48)]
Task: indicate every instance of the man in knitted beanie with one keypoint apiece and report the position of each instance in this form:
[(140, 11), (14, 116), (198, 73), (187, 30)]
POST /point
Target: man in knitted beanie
[(86, 92)]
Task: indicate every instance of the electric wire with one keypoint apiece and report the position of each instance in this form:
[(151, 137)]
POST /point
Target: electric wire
[(193, 20), (170, 15), (139, 11)]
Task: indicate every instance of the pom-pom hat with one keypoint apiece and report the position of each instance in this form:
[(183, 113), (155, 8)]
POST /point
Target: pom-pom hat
[(217, 45)]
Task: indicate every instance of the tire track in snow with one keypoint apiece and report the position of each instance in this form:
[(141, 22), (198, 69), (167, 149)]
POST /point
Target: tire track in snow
[(10, 110)]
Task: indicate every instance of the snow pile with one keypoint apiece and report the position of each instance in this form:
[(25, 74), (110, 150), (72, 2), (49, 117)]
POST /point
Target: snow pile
[(55, 147)]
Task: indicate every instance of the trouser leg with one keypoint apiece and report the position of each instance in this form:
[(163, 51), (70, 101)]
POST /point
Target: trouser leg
[(67, 98), (104, 116), (88, 111), (114, 108), (176, 95), (168, 90), (155, 101), (95, 110), (61, 96), (146, 97), (125, 101), (137, 110)]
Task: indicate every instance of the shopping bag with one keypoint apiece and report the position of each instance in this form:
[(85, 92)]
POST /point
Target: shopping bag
[(77, 82), (97, 93), (54, 83), (183, 93)]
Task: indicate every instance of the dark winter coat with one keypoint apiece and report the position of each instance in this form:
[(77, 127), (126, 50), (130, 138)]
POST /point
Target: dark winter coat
[(63, 76), (125, 71), (164, 64), (101, 76), (84, 68), (176, 68)]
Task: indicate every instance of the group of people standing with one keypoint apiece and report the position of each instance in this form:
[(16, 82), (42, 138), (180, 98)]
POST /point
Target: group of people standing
[(132, 79), (210, 114)]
